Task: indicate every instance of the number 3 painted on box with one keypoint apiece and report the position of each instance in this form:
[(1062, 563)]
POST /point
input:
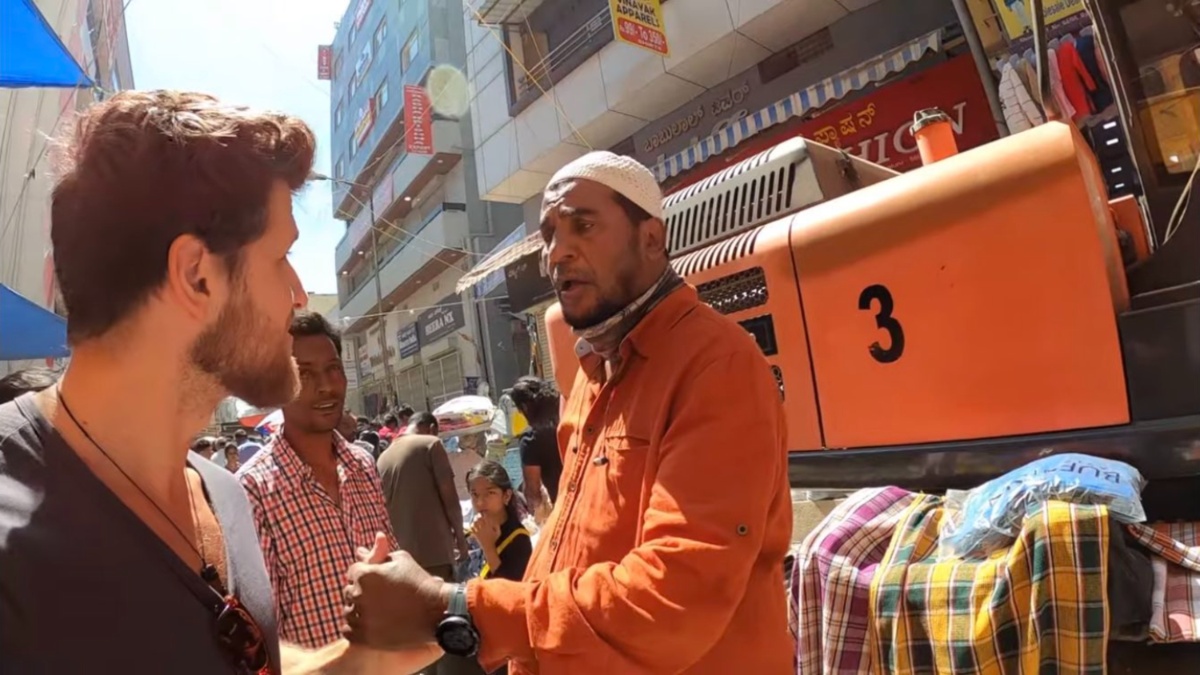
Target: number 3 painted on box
[(885, 321)]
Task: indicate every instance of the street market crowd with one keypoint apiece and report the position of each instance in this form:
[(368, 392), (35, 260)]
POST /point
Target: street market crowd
[(171, 224)]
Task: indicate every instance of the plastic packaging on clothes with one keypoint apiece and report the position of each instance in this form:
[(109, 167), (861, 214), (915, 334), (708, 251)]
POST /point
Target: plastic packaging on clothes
[(465, 415), (990, 516)]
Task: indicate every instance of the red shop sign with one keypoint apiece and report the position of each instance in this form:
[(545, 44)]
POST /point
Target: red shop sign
[(324, 62), (417, 122), (876, 126)]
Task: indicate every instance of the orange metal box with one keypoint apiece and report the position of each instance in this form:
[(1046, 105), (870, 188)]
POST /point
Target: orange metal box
[(972, 298), (750, 279), (561, 341)]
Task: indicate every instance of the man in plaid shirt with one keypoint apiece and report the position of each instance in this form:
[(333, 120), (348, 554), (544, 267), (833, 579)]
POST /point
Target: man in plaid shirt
[(316, 498)]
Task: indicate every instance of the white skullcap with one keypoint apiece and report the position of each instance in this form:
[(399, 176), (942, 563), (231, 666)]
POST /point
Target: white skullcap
[(624, 175)]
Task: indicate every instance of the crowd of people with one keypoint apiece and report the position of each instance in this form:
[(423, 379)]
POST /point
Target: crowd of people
[(123, 551)]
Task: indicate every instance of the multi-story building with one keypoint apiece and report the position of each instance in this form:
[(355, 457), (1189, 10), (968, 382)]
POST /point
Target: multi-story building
[(552, 82), (407, 189), (94, 32)]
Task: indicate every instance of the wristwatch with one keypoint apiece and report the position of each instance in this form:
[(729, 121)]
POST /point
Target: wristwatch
[(456, 633)]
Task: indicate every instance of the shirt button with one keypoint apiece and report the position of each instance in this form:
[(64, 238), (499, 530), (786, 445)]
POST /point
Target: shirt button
[(553, 544), (590, 430), (571, 487)]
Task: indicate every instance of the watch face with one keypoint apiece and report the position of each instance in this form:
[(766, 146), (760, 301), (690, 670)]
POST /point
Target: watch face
[(456, 636)]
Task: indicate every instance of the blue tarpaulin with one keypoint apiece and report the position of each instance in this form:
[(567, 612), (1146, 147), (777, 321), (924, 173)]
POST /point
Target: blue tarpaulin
[(31, 54), (28, 330)]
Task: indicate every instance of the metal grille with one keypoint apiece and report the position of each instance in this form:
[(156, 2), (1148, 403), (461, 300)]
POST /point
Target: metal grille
[(722, 252), (410, 387), (778, 380), (737, 292), (743, 196), (443, 378)]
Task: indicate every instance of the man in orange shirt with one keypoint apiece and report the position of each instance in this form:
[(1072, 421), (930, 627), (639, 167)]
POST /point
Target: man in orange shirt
[(664, 552)]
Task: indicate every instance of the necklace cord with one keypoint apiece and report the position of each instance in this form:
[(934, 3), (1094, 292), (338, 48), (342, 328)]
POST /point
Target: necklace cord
[(207, 571)]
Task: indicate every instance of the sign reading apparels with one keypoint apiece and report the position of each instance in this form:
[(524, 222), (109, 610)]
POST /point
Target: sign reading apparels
[(640, 23)]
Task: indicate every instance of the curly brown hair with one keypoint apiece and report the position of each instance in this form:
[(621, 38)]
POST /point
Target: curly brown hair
[(145, 167)]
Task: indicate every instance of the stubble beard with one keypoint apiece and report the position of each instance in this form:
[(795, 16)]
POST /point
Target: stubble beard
[(609, 306), (241, 352)]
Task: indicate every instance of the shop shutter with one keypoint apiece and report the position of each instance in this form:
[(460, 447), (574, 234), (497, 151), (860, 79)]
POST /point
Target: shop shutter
[(410, 387), (543, 343), (444, 377)]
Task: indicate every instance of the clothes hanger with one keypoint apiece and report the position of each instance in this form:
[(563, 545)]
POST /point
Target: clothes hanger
[(1087, 31)]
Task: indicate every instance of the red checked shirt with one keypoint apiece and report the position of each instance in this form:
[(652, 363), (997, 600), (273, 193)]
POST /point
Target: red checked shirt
[(308, 541)]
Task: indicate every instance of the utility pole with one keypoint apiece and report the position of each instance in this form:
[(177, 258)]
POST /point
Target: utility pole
[(390, 388), (390, 380)]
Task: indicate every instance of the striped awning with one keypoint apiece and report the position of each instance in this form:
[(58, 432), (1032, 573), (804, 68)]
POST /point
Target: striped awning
[(800, 103), (499, 260)]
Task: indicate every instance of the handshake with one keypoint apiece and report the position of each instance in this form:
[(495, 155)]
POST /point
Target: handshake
[(392, 604)]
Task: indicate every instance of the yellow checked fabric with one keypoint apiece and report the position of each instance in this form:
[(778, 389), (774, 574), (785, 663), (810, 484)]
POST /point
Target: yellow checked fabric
[(1041, 601)]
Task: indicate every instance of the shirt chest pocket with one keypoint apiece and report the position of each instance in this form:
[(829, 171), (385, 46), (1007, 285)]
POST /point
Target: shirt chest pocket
[(619, 480)]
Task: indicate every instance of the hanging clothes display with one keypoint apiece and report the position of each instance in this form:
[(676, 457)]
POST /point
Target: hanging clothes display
[(1027, 67), (1077, 82), (1041, 601), (1028, 78), (1020, 112), (831, 582), (1102, 95), (1056, 87)]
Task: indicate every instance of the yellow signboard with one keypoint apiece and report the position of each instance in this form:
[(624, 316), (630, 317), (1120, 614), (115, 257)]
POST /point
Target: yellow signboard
[(1015, 14), (640, 23)]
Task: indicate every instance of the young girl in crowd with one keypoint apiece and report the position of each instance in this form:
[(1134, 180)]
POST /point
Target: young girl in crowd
[(503, 540)]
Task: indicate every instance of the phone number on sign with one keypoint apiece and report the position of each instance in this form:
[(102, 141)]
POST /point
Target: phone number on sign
[(641, 35)]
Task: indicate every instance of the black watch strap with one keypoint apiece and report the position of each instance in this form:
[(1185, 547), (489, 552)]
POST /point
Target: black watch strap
[(456, 634)]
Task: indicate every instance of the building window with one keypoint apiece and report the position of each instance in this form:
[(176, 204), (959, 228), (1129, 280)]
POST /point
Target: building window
[(381, 96), (540, 57), (338, 114), (1166, 95), (364, 63), (337, 64), (353, 144), (380, 34), (412, 47), (339, 169)]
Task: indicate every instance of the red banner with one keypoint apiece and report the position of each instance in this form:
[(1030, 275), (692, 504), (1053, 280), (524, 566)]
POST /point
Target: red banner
[(418, 126), (324, 62), (360, 12), (876, 126)]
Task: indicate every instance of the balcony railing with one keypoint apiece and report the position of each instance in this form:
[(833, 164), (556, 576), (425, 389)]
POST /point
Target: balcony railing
[(565, 57), (406, 174), (442, 229), (500, 12)]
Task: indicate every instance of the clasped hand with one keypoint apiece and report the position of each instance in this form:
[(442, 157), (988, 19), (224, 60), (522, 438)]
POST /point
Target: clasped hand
[(391, 603)]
